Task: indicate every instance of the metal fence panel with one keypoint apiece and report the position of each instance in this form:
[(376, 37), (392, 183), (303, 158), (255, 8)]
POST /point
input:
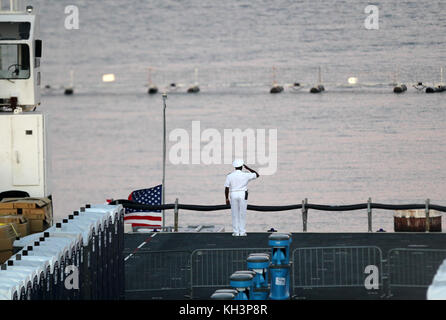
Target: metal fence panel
[(157, 270), (413, 267), (213, 267), (324, 267)]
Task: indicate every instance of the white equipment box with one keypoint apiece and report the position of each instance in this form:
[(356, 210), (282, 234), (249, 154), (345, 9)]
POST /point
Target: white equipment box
[(23, 151)]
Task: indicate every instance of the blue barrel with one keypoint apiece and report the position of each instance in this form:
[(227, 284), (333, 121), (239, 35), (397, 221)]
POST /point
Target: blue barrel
[(280, 282), (280, 248), (259, 263), (242, 282), (280, 266), (253, 274)]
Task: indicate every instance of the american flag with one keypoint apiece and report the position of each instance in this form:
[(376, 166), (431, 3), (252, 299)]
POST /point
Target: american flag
[(138, 218)]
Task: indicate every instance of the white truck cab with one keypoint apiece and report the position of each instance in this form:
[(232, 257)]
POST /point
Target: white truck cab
[(20, 53), (23, 147)]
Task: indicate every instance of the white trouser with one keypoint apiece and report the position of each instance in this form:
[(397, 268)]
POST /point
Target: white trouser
[(238, 210)]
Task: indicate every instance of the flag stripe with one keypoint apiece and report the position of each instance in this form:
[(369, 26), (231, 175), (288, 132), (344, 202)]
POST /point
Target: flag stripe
[(132, 217), (135, 224)]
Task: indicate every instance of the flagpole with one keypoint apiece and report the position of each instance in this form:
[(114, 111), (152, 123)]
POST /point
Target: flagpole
[(164, 155)]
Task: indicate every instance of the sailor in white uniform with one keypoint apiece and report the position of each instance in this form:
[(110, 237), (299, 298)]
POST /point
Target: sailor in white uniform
[(236, 186)]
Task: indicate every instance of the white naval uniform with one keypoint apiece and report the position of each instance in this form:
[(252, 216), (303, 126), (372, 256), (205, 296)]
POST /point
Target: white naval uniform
[(237, 182)]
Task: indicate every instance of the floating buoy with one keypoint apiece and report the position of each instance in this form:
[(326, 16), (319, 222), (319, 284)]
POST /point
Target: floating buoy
[(438, 88), (173, 85), (352, 80), (108, 77), (317, 89), (47, 86), (193, 89), (70, 89), (152, 90), (276, 89), (400, 88), (441, 88)]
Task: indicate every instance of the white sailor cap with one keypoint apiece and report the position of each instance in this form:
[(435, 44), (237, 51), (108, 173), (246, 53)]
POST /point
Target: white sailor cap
[(238, 163)]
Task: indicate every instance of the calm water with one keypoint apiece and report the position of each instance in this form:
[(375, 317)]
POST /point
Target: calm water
[(341, 147)]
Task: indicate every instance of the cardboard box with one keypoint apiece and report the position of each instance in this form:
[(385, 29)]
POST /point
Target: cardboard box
[(7, 237), (27, 203), (5, 255), (38, 213), (8, 212), (31, 208), (37, 226), (20, 223), (23, 228), (12, 219), (6, 205)]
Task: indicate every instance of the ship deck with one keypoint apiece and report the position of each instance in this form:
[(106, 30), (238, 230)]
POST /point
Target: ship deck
[(180, 265)]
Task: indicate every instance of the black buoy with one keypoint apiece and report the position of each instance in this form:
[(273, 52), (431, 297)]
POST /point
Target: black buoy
[(276, 89), (70, 89), (193, 89), (317, 89), (152, 90), (47, 86), (441, 88), (400, 88), (173, 84)]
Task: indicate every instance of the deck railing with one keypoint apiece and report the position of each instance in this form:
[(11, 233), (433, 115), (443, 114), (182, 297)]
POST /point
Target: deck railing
[(304, 206)]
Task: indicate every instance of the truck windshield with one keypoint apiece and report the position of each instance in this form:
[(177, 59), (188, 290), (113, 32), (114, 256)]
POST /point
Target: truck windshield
[(14, 61), (14, 30)]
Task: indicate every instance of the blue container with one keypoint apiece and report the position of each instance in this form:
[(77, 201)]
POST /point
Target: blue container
[(242, 282), (280, 248), (259, 294), (280, 266), (259, 263), (280, 282)]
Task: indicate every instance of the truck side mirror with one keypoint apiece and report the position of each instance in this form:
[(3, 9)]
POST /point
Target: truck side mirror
[(38, 49)]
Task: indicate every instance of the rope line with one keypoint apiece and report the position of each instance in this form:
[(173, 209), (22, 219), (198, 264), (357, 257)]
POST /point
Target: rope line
[(319, 207)]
